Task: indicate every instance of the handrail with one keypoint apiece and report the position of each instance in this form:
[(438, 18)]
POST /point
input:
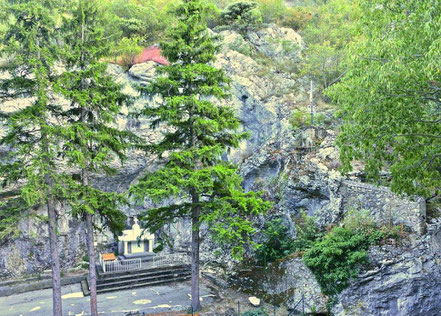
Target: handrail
[(136, 264), (121, 265)]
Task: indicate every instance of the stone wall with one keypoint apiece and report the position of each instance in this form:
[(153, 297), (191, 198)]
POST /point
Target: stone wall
[(385, 206)]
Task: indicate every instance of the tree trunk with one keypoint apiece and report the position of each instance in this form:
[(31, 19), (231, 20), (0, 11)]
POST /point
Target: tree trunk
[(91, 250), (53, 239), (195, 302), (55, 261), (52, 224), (92, 266)]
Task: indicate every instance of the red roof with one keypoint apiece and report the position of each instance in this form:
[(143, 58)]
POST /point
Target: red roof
[(152, 53)]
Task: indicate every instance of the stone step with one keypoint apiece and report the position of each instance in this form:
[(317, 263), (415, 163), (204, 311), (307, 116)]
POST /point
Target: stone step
[(144, 274), (109, 282), (146, 284), (138, 278)]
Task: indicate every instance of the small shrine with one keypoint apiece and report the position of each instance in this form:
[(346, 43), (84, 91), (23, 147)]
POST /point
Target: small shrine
[(135, 243)]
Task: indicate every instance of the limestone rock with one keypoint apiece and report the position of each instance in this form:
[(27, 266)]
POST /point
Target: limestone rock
[(254, 301), (274, 41), (403, 282), (144, 72), (291, 281)]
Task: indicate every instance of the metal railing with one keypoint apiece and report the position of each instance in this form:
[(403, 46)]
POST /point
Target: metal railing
[(171, 259), (122, 265), (166, 260), (136, 264)]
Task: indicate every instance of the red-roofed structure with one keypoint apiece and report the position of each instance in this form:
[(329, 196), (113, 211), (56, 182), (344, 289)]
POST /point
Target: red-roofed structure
[(153, 53)]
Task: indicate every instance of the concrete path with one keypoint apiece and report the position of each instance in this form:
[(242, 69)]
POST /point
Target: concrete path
[(174, 297)]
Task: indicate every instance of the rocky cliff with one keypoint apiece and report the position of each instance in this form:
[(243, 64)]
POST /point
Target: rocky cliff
[(297, 169)]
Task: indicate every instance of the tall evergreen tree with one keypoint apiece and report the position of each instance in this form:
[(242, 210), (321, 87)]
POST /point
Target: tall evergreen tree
[(207, 188), (31, 131), (92, 143)]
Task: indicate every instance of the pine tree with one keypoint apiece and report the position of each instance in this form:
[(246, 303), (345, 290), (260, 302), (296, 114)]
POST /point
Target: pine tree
[(207, 188), (32, 134), (92, 144)]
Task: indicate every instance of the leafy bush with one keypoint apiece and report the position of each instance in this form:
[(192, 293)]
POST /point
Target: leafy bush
[(242, 15), (359, 220), (272, 10), (126, 51), (336, 258), (256, 312), (277, 242), (307, 233), (138, 18), (294, 18), (299, 118)]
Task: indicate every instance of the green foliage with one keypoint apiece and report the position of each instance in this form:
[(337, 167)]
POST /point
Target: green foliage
[(307, 233), (145, 20), (390, 96), (126, 50), (12, 210), (276, 242), (359, 220), (289, 47), (330, 30), (295, 18), (272, 10), (91, 142), (241, 15), (322, 120), (256, 312), (336, 258), (205, 186), (241, 46), (30, 131), (299, 118)]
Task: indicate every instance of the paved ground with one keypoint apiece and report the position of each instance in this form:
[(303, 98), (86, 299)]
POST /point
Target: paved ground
[(175, 297)]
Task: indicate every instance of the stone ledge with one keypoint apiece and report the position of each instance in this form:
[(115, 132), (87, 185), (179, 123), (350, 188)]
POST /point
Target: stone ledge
[(17, 287)]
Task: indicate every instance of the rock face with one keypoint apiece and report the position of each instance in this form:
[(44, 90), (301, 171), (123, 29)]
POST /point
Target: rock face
[(31, 254), (300, 173), (404, 282), (297, 170), (292, 283)]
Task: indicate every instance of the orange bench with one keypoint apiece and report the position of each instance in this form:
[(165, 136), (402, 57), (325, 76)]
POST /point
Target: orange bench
[(108, 257)]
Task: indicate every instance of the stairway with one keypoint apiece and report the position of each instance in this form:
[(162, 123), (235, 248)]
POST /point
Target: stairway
[(124, 280)]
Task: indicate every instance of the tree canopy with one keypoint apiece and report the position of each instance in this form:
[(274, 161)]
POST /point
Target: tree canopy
[(32, 130), (390, 97)]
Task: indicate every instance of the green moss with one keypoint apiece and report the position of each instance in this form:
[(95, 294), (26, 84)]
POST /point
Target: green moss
[(241, 46)]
